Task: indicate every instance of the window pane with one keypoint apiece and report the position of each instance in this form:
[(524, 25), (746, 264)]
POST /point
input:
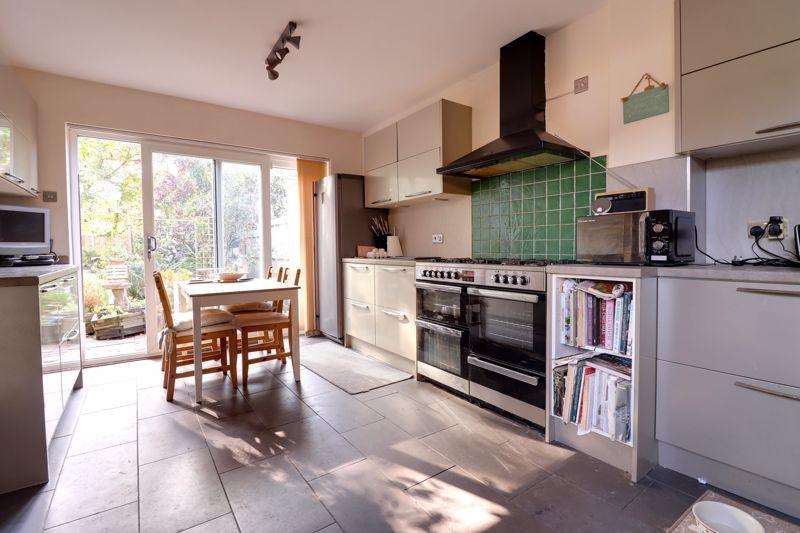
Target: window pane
[(285, 217), (241, 218)]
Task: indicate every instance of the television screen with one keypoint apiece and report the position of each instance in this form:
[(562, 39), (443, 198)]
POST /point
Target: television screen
[(22, 226)]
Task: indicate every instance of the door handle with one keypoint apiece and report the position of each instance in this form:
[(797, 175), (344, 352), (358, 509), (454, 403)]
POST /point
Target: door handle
[(49, 287), (503, 371), (152, 246), (13, 177), (779, 127), (414, 194), (395, 314), (360, 306), (380, 201), (391, 269), (768, 292), (765, 390)]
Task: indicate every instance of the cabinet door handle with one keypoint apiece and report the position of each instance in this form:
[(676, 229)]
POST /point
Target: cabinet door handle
[(380, 201), (49, 287), (394, 314), (13, 177), (779, 127), (360, 306), (67, 279), (395, 269), (768, 292), (413, 194), (765, 390), (361, 268)]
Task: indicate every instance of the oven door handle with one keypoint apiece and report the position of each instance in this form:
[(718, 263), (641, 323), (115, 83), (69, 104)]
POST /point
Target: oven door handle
[(440, 329), (435, 287), (507, 372), (519, 297)]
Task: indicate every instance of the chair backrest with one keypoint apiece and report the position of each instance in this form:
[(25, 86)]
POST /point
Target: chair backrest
[(285, 279), (162, 295)]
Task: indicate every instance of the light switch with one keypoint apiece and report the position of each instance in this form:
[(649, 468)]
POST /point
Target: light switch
[(49, 196), (438, 238)]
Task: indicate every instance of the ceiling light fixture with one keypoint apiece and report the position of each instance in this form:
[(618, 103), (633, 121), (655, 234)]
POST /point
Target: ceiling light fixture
[(280, 50)]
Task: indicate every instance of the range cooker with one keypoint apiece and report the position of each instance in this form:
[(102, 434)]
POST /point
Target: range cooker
[(481, 330)]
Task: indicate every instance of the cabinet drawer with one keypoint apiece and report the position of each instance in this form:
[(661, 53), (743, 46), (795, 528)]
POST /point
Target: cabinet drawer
[(394, 288), (746, 423), (747, 329), (359, 282), (742, 100), (380, 148), (417, 177), (420, 132), (396, 332), (380, 187), (359, 320)]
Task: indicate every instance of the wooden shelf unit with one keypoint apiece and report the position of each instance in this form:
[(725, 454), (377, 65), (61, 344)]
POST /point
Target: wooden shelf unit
[(641, 454)]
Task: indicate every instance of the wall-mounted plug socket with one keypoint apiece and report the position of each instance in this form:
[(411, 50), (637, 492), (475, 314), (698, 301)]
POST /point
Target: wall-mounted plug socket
[(776, 230), (438, 238), (751, 224)]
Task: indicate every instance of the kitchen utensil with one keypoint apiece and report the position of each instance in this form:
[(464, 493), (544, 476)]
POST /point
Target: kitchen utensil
[(393, 247)]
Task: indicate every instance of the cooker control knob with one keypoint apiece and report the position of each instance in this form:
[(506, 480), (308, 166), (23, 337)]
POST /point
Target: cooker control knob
[(424, 273), (449, 275), (496, 278), (658, 227), (505, 279), (441, 274), (523, 280), (456, 275), (513, 280), (658, 245)]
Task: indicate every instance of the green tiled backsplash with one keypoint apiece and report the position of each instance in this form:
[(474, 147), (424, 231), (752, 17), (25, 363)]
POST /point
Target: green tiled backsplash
[(532, 213)]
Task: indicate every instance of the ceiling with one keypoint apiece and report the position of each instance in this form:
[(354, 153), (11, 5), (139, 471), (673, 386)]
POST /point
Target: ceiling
[(360, 61)]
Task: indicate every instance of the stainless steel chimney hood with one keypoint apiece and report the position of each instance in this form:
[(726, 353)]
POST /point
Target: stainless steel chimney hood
[(523, 141)]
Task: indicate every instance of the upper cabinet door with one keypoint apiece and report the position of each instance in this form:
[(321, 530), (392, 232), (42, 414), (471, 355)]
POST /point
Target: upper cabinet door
[(752, 98), (380, 148), (713, 31), (417, 177), (420, 132), (380, 186)]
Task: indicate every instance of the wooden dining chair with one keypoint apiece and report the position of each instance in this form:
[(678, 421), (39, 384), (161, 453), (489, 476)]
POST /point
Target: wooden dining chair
[(264, 331), (219, 335)]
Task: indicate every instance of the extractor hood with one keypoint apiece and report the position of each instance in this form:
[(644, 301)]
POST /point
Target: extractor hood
[(523, 141)]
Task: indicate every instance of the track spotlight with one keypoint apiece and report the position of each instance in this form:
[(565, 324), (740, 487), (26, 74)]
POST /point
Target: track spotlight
[(280, 50), (294, 40), (272, 73), (281, 53)]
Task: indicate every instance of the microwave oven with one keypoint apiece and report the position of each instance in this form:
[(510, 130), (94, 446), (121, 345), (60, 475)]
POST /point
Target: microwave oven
[(659, 237), (24, 231)]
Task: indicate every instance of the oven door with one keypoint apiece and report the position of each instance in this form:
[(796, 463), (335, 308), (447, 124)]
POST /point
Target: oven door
[(442, 348), (518, 393), (508, 328), (443, 304)]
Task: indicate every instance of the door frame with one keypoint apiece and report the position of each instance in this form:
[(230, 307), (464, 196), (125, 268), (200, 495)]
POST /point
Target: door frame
[(149, 144)]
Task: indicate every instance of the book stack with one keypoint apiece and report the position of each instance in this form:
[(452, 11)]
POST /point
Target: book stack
[(597, 314), (595, 395)]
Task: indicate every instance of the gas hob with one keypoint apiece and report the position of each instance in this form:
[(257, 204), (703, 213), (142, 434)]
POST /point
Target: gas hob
[(514, 274)]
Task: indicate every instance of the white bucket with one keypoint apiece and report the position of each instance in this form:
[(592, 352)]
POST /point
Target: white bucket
[(716, 517)]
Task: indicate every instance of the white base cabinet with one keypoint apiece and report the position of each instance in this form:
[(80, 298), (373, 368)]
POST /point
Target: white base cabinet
[(395, 331), (359, 320)]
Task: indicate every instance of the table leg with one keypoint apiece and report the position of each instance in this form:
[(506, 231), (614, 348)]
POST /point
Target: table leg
[(198, 352), (294, 332)]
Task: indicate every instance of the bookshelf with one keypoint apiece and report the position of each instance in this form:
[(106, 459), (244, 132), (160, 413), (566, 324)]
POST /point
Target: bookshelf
[(603, 434)]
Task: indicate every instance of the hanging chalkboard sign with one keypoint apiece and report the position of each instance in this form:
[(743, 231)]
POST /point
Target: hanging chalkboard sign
[(652, 101)]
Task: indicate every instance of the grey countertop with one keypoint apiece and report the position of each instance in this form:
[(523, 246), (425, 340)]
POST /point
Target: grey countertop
[(33, 275), (395, 261), (758, 274)]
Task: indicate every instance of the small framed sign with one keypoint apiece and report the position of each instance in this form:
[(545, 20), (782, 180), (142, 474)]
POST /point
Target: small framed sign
[(652, 101)]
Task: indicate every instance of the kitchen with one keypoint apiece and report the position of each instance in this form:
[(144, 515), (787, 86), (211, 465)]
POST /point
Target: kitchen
[(460, 354)]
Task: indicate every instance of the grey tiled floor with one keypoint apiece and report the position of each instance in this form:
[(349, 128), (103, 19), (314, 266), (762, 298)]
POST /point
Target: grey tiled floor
[(282, 457)]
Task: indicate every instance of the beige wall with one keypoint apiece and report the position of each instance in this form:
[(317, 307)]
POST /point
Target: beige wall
[(64, 100), (614, 46)]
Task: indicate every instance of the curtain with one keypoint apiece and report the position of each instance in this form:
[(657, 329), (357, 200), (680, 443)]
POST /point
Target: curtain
[(307, 173)]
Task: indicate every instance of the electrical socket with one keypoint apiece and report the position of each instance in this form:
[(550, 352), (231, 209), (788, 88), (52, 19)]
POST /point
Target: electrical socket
[(581, 85), (763, 224), (438, 238), (752, 223)]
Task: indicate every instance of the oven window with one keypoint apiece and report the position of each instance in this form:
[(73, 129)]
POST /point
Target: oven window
[(442, 350), (508, 331), (439, 304)]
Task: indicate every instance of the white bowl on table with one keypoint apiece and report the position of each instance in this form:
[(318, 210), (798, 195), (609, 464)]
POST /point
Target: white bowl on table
[(717, 517), (228, 277)]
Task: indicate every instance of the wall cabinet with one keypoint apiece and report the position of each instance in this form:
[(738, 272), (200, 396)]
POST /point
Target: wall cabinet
[(380, 148), (380, 186), (18, 168), (426, 140), (738, 82)]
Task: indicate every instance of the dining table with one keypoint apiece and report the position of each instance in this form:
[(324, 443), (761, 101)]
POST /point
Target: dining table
[(215, 293)]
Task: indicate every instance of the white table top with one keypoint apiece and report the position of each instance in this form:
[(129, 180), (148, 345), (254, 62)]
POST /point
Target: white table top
[(193, 290)]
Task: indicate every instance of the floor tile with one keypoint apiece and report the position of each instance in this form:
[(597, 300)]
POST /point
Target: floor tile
[(103, 429), (402, 458), (259, 379), (483, 422), (464, 504), (421, 391), (310, 384), (103, 374), (386, 390), (180, 492), (557, 505), (110, 395), (341, 410), (275, 366), (659, 505), (271, 495), (94, 482), (238, 440), (169, 435), (72, 410), (277, 407), (333, 528), (123, 519), (24, 510), (221, 402), (360, 498), (56, 453), (314, 447), (153, 401), (224, 524), (677, 481), (499, 467), (532, 446), (413, 417), (600, 479)]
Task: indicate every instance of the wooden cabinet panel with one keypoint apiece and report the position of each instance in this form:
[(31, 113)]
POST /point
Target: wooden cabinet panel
[(417, 177), (359, 320), (742, 100), (394, 288), (713, 31), (380, 148), (380, 187), (746, 329), (420, 132), (396, 332), (745, 423)]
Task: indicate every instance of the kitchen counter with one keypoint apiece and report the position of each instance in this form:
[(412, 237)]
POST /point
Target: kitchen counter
[(394, 261), (763, 274), (33, 275), (611, 271)]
